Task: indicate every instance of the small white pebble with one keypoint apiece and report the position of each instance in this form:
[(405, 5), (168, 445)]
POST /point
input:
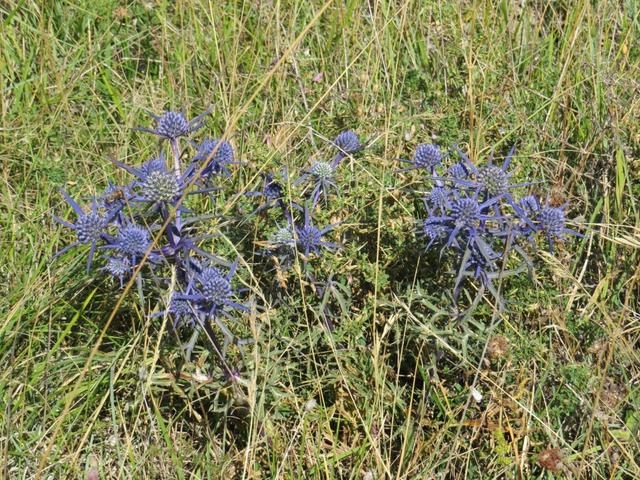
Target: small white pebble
[(477, 396), (310, 405)]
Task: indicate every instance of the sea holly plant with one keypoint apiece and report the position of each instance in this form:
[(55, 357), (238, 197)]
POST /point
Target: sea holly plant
[(477, 217), (300, 236), (120, 225)]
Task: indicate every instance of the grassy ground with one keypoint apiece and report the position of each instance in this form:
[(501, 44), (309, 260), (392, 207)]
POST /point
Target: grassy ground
[(388, 393)]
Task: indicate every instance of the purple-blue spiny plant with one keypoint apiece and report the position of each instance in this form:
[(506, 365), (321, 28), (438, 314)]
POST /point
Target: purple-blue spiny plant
[(121, 224), (475, 215)]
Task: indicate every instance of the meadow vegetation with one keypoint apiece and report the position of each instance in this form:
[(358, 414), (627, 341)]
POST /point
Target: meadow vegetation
[(375, 375)]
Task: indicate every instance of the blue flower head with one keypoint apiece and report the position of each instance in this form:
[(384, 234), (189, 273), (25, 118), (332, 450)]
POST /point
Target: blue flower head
[(433, 231), (426, 157), (160, 186), (458, 171), (322, 174), (118, 267), (218, 161), (529, 205), (172, 125), (272, 192), (212, 291), (348, 142), (133, 240), (309, 237), (551, 221), (89, 227), (214, 287)]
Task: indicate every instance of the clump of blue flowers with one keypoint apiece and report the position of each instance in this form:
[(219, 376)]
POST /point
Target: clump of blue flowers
[(481, 219), (144, 232), (298, 209)]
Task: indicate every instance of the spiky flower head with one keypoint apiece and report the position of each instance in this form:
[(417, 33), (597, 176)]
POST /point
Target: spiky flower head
[(272, 190), (117, 266), (431, 230), (181, 310), (552, 220), (172, 125), (465, 212), (427, 156), (133, 240), (348, 142), (160, 186), (494, 180), (309, 238), (152, 165), (322, 170), (283, 237), (89, 227), (438, 195), (214, 286), (224, 152), (458, 171)]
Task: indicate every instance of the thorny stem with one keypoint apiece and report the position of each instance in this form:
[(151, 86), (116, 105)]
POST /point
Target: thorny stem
[(215, 345), (175, 149)]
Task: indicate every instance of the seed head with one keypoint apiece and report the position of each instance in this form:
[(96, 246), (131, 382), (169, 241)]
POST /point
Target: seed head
[(348, 142), (465, 211), (160, 186), (309, 238), (494, 180), (172, 125), (552, 220), (427, 156), (322, 170), (89, 227), (215, 288), (133, 240)]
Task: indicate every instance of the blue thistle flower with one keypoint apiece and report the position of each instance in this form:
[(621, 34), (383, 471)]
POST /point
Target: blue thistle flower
[(89, 227), (272, 192), (427, 156), (466, 214), (213, 291), (181, 309), (529, 205), (118, 267), (160, 186), (157, 184), (132, 240), (551, 221), (432, 230), (309, 237), (283, 237), (458, 171), (172, 125), (322, 174), (438, 197), (218, 161), (492, 180), (347, 142)]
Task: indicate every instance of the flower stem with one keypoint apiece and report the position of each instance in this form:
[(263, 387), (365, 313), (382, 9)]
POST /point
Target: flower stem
[(175, 149)]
